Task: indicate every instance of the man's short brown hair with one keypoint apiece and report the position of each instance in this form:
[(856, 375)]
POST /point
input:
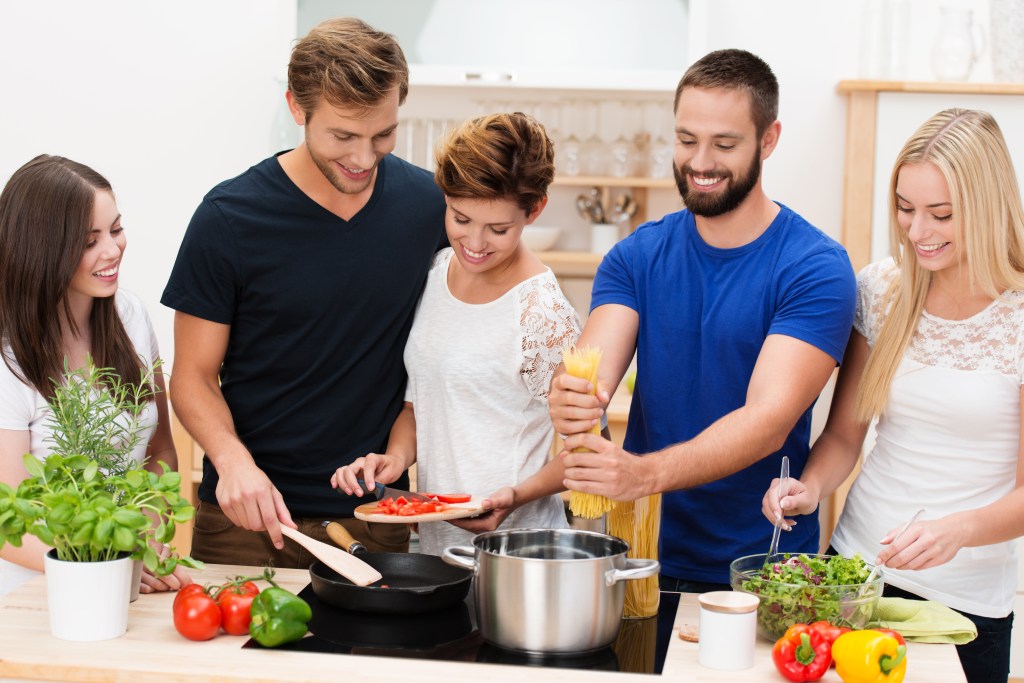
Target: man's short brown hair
[(349, 64), (736, 70)]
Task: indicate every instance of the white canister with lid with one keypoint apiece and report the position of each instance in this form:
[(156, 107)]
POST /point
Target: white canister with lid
[(728, 630)]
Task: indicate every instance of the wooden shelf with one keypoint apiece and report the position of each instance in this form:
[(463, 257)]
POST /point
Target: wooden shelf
[(609, 181), (571, 263), (936, 87)]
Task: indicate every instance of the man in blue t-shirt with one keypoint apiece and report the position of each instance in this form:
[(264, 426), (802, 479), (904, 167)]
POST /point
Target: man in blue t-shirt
[(295, 289), (738, 311)]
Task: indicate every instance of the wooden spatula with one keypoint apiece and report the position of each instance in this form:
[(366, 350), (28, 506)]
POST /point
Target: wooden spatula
[(349, 566)]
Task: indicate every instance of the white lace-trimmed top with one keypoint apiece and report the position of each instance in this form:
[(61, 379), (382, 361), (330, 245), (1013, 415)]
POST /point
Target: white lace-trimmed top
[(947, 441), (478, 381)]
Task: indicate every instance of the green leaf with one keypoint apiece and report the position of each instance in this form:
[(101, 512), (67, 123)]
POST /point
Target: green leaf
[(33, 466), (90, 470), (125, 539), (101, 534), (151, 559), (82, 535)]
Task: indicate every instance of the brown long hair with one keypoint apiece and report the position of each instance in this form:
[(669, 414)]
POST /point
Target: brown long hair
[(45, 217)]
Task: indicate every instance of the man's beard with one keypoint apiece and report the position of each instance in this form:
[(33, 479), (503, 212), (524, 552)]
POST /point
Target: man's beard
[(711, 204)]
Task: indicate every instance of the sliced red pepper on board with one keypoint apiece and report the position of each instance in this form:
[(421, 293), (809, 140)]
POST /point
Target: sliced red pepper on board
[(409, 508), (453, 497), (802, 654)]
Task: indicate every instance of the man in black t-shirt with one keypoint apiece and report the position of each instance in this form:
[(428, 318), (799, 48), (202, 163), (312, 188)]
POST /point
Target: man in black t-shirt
[(295, 289)]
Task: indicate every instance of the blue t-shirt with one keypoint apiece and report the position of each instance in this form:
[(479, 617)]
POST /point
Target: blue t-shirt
[(320, 309), (704, 314)]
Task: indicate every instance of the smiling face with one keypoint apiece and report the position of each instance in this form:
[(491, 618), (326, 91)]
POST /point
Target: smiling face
[(484, 233), (717, 150), (347, 144), (924, 211), (97, 271)]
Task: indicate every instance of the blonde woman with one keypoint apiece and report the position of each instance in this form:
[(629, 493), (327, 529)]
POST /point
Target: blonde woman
[(937, 356)]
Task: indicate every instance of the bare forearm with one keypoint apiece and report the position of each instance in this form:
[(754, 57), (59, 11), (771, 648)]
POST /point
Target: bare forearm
[(29, 555), (200, 405), (1001, 521), (735, 441), (402, 439), (544, 482), (830, 463)]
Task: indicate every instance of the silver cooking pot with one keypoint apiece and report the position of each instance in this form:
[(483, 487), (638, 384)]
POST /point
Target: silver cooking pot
[(549, 591)]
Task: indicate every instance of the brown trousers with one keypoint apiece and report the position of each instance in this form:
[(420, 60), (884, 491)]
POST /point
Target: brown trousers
[(215, 539)]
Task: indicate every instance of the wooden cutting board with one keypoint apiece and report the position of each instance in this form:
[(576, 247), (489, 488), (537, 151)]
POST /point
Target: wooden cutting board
[(471, 508)]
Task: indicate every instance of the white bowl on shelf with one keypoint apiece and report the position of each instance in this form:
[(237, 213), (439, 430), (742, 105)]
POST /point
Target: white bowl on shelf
[(540, 237)]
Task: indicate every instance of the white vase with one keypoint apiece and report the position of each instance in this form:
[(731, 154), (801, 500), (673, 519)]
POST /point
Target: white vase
[(957, 45), (87, 600)]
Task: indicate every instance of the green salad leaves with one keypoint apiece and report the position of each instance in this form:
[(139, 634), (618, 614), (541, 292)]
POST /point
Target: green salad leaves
[(801, 589)]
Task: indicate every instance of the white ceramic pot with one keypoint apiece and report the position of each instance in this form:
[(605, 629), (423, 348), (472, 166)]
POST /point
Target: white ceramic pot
[(137, 566), (88, 600)]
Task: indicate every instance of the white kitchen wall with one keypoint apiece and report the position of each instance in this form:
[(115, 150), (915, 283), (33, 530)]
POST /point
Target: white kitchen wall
[(164, 99)]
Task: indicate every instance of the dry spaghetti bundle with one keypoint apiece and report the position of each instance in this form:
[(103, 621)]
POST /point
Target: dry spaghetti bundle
[(637, 522), (583, 363)]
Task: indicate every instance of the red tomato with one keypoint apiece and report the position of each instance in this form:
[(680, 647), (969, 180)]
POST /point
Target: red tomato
[(235, 603), (454, 497), (191, 589), (196, 616)]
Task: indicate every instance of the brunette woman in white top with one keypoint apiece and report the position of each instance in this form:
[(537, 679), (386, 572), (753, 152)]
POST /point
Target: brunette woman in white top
[(937, 356), (487, 336), (61, 244)]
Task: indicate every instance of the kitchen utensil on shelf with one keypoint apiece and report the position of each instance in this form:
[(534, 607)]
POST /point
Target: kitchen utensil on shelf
[(382, 492), (773, 549), (411, 582), (355, 570), (878, 567), (596, 206), (624, 208), (549, 591)]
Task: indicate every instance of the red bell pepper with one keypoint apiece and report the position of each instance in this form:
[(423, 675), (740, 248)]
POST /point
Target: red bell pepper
[(829, 631), (802, 654), (889, 632)]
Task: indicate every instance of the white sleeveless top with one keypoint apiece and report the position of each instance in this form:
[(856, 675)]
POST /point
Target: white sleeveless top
[(479, 376), (946, 442)]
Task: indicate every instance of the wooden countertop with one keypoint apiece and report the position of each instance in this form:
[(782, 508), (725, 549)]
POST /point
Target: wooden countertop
[(152, 650)]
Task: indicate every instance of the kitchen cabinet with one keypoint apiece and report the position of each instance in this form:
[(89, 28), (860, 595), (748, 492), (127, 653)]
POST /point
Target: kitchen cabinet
[(152, 651)]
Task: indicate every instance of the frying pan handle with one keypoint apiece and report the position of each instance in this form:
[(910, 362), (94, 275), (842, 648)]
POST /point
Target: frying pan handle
[(635, 569), (460, 556), (340, 535)]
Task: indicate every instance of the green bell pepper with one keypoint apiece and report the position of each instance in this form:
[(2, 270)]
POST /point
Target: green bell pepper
[(278, 617)]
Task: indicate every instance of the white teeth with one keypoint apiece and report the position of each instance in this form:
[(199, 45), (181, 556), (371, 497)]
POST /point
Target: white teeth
[(704, 181), (473, 254), (106, 273), (354, 171), (931, 247)]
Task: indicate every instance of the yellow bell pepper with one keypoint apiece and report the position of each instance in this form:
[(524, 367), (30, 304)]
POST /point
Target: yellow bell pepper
[(869, 657)]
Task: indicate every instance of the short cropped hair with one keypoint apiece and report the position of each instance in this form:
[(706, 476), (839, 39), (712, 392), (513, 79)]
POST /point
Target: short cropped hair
[(736, 70), (499, 156)]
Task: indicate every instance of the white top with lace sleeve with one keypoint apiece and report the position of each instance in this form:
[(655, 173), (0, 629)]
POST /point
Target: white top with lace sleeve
[(478, 380)]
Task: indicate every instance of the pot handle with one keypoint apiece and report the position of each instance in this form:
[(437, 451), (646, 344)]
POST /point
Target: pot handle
[(460, 556), (635, 569)]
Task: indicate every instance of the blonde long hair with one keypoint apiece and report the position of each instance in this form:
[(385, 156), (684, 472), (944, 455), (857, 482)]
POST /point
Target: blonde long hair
[(968, 148)]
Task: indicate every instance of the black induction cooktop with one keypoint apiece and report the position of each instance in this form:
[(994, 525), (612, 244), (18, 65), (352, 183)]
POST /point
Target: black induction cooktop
[(451, 634)]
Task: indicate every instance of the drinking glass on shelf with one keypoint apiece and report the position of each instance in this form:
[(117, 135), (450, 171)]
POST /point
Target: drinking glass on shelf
[(659, 158), (569, 152), (595, 151)]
